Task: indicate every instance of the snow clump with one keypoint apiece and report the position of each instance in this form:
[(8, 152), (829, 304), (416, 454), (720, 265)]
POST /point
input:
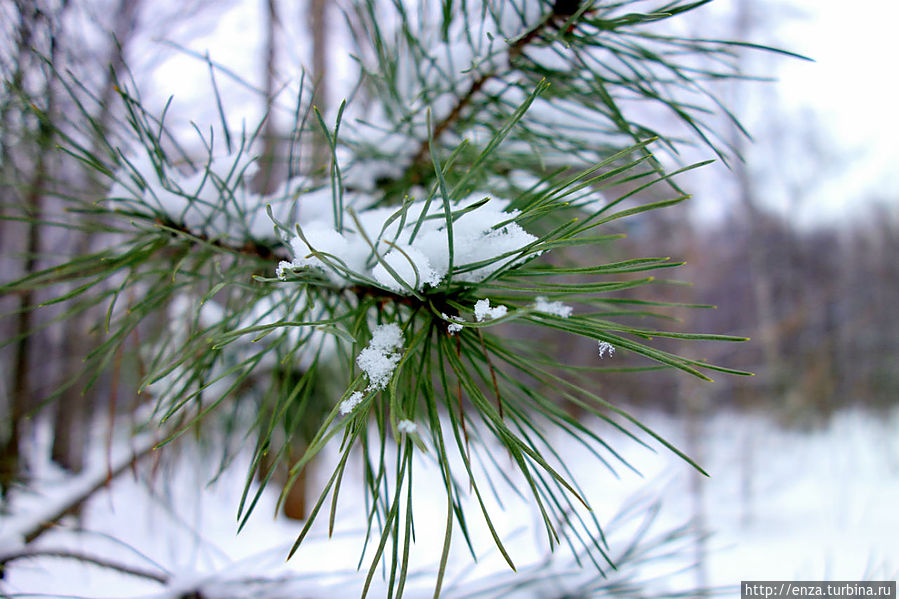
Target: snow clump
[(411, 245), (606, 348), (455, 324), (541, 304), (350, 403), (379, 359), (483, 311), (406, 426)]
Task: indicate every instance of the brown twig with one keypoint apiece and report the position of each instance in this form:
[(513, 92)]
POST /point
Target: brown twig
[(39, 528), (461, 409), (499, 401), (82, 557), (423, 150), (252, 248), (413, 172)]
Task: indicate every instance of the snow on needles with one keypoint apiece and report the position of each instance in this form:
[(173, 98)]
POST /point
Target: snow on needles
[(379, 359), (483, 311), (406, 426), (411, 245), (213, 196), (606, 348), (350, 403), (541, 304)]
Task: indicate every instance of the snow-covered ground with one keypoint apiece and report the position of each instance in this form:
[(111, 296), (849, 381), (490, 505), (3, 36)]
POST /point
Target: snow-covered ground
[(779, 505)]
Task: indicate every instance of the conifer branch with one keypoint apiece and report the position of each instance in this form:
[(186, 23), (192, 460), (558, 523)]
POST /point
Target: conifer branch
[(516, 47), (251, 247)]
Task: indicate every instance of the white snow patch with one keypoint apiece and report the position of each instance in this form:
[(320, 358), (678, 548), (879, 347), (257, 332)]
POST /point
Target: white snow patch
[(784, 504), (406, 426), (350, 403), (541, 304), (379, 360), (483, 311), (387, 337), (606, 348), (414, 245), (411, 270)]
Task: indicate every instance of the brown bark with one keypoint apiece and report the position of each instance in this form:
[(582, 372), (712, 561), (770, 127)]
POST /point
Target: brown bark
[(272, 168), (74, 410), (22, 391), (295, 504)]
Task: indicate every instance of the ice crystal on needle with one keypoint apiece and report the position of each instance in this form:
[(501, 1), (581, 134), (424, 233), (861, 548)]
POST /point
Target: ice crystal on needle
[(350, 403), (406, 426)]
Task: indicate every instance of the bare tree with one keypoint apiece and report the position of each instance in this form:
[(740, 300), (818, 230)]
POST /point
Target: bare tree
[(29, 173)]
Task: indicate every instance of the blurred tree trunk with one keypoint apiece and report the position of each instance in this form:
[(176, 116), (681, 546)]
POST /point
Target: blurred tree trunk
[(295, 502), (272, 169), (18, 396), (318, 20), (74, 410), (31, 17), (760, 262)]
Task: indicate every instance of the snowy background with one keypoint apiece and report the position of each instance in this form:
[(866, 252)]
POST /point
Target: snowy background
[(779, 505), (815, 500)]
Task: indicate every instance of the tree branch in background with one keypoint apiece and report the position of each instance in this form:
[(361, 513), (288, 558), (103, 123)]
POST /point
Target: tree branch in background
[(420, 160), (22, 392), (31, 531), (33, 552)]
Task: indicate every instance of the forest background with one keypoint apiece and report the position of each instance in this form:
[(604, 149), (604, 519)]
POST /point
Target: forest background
[(795, 246)]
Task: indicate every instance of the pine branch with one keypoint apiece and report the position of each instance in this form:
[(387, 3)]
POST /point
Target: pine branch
[(251, 247), (397, 302), (422, 156), (421, 159)]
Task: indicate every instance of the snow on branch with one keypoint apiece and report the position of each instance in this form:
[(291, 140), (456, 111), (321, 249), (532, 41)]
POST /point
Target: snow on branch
[(407, 250)]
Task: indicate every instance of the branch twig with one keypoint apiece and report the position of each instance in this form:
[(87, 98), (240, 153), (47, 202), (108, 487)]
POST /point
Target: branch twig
[(36, 529), (413, 172), (81, 557)]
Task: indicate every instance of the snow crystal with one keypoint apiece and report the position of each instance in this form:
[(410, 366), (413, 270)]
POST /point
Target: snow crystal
[(541, 304), (606, 348), (406, 426), (483, 311), (455, 324), (350, 403), (378, 360), (378, 365)]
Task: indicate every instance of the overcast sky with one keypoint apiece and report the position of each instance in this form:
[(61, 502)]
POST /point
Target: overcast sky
[(851, 88), (832, 141)]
